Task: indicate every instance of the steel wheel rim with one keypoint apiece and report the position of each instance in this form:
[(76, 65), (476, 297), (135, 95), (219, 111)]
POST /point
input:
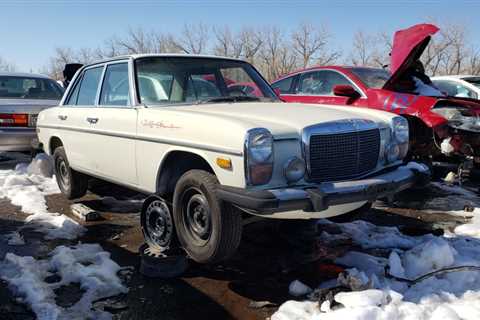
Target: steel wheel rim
[(158, 223), (63, 173), (197, 216)]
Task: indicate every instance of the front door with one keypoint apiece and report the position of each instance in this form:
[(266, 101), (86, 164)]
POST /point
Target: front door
[(317, 87)]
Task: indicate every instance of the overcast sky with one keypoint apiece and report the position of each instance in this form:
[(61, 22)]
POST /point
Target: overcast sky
[(30, 30)]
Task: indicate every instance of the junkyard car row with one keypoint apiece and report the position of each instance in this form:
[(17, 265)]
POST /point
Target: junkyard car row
[(442, 125), (214, 143)]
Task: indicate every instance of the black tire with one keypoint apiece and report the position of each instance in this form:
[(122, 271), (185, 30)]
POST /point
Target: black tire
[(157, 224), (208, 229), (73, 184)]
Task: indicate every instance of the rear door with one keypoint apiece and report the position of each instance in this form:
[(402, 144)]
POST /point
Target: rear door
[(76, 130)]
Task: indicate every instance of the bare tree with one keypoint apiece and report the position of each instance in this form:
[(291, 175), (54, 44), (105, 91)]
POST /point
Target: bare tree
[(370, 49), (252, 42), (310, 44), (193, 39), (275, 57), (275, 51), (229, 44)]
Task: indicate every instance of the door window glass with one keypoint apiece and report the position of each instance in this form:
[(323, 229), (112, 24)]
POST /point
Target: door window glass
[(115, 86), (89, 86), (320, 82), (454, 89)]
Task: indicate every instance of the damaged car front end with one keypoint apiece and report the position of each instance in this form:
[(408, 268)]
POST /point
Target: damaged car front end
[(444, 130), (458, 136)]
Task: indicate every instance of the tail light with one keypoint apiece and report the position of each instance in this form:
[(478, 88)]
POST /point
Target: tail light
[(13, 120)]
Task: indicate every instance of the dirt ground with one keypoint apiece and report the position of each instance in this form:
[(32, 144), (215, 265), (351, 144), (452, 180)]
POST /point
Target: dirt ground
[(249, 286)]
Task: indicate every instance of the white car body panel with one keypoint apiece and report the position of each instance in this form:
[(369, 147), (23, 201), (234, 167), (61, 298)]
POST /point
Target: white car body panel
[(459, 80)]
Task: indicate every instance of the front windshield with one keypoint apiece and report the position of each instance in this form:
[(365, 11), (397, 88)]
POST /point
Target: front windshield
[(13, 87), (174, 80), (371, 77), (473, 80)]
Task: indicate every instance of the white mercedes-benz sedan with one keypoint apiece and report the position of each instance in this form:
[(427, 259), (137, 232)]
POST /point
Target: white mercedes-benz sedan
[(213, 152)]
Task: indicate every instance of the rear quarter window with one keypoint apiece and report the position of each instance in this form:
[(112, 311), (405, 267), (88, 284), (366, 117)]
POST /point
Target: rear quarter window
[(284, 85)]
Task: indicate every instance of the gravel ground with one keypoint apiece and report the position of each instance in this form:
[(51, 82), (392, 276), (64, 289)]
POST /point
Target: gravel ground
[(249, 286)]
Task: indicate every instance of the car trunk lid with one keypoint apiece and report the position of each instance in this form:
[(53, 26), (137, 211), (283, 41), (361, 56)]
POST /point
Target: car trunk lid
[(22, 112)]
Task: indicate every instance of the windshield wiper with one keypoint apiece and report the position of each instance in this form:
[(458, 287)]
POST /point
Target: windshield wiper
[(229, 99)]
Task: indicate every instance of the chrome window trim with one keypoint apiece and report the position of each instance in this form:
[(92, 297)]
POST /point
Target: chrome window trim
[(70, 89), (330, 128)]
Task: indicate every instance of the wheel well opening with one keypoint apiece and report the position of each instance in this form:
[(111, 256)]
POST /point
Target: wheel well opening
[(174, 166), (55, 142)]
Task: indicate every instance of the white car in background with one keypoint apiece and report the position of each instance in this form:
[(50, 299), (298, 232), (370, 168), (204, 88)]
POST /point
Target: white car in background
[(22, 97), (460, 86)]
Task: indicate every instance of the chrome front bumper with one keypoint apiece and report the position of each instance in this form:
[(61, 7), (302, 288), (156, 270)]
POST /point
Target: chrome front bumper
[(320, 197), (17, 139)]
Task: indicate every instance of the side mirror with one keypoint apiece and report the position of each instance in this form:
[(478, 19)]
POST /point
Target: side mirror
[(277, 91), (345, 90)]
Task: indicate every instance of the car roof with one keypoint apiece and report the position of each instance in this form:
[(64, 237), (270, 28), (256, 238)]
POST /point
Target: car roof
[(457, 76), (23, 74), (168, 55), (333, 67)]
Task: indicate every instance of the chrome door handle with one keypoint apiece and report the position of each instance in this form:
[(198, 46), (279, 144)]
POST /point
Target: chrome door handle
[(92, 120), (62, 117)]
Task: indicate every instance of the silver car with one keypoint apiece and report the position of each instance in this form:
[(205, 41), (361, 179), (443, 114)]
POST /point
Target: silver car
[(22, 97)]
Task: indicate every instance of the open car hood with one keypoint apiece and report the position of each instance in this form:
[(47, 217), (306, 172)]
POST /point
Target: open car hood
[(408, 46)]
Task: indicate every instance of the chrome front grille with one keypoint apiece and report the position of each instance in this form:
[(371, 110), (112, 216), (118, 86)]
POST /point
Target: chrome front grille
[(341, 156)]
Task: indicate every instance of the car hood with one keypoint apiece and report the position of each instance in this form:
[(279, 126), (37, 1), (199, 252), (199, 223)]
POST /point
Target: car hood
[(284, 120), (25, 105), (408, 45)]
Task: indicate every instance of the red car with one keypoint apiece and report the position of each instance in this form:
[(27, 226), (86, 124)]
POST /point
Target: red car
[(440, 126)]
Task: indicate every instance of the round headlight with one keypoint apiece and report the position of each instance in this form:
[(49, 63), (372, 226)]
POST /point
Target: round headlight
[(260, 145), (294, 169), (400, 129)]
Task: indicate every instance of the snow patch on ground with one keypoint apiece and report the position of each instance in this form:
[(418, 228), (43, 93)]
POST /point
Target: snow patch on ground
[(471, 229), (298, 288), (26, 186), (447, 296), (85, 264)]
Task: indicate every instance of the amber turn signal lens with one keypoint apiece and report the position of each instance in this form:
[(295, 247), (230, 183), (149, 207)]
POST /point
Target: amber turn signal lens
[(224, 163)]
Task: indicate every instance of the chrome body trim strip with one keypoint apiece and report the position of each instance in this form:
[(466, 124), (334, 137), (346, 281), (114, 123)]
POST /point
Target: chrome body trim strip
[(149, 139)]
